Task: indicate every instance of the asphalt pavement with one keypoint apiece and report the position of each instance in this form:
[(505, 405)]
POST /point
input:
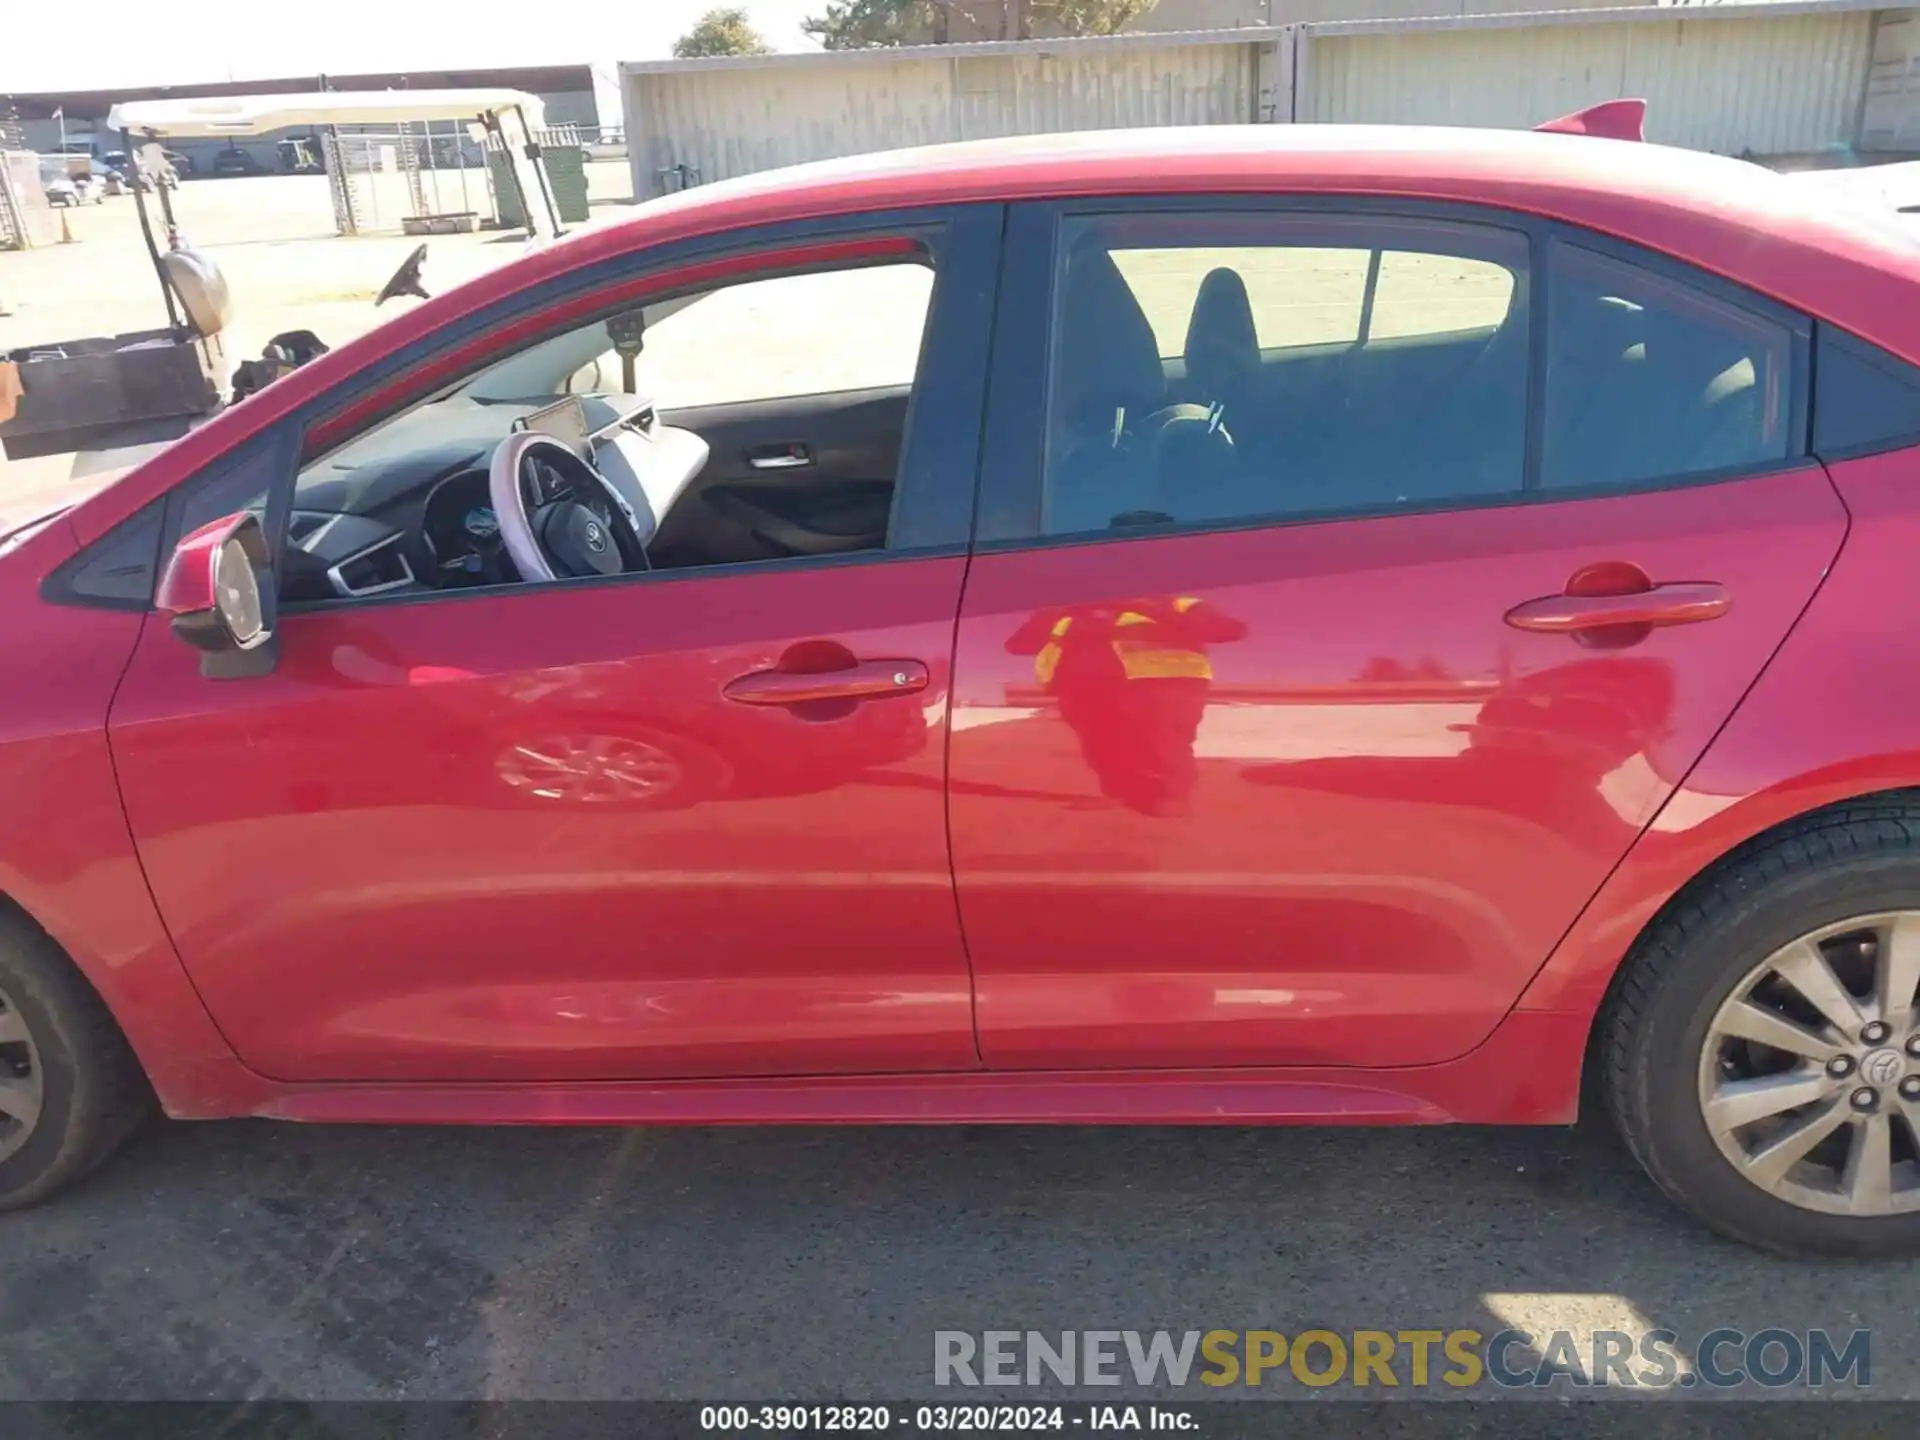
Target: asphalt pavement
[(258, 1260)]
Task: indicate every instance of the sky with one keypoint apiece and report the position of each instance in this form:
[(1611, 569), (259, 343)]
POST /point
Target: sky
[(134, 42)]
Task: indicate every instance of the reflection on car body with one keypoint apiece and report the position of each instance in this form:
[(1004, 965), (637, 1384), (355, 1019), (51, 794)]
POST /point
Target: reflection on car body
[(1319, 636)]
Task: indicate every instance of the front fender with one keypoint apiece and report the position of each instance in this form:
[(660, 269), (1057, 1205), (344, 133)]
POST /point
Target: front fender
[(67, 858)]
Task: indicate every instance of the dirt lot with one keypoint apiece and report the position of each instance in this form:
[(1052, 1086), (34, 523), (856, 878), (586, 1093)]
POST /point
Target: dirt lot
[(273, 236)]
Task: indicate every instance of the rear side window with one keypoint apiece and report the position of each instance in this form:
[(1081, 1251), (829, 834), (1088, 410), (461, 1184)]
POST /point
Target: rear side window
[(1864, 400), (1650, 379), (1221, 367)]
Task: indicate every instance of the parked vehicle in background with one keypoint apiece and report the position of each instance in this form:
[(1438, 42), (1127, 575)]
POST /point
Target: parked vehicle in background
[(118, 162), (75, 157), (607, 144), (235, 161), (1381, 645), (71, 189), (301, 155)]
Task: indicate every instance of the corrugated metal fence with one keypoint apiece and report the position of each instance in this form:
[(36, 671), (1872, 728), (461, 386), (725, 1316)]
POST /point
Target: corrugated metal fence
[(1770, 79), (1771, 84), (726, 121)]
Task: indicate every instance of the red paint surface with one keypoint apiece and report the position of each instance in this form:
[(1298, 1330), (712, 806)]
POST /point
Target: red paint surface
[(1526, 1074), (1300, 796), (66, 858), (1609, 120), (359, 891), (363, 874), (1833, 717)]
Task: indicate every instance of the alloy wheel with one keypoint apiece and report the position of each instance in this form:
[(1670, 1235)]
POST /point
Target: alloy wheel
[(20, 1079), (1809, 1078)]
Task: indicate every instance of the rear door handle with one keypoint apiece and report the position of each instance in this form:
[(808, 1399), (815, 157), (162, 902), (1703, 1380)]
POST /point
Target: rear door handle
[(1684, 604), (863, 680)]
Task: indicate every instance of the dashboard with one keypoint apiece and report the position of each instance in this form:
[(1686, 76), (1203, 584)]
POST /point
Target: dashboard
[(409, 506)]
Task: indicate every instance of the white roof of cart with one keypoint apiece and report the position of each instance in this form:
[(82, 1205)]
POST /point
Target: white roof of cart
[(242, 115)]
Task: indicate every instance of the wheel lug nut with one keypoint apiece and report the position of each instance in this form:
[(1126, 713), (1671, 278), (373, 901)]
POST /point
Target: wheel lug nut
[(1840, 1066), (1910, 1087), (1863, 1099), (1913, 1046), (1874, 1032)]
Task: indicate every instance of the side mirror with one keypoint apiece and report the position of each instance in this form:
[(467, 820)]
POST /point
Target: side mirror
[(219, 591)]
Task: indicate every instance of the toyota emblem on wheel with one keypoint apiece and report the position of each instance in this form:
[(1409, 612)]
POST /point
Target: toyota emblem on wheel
[(596, 538), (1882, 1067)]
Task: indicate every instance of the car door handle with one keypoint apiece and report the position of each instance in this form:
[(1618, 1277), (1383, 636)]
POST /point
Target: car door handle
[(1684, 604), (782, 457), (863, 680)]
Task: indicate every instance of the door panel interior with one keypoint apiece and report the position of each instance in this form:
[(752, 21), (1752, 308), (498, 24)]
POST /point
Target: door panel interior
[(801, 475)]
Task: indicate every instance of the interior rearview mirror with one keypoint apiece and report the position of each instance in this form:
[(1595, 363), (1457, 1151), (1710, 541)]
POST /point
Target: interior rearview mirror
[(219, 593), (628, 332)]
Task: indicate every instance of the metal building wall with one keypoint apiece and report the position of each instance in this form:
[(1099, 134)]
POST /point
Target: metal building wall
[(1890, 119), (733, 121), (1770, 85), (1221, 14)]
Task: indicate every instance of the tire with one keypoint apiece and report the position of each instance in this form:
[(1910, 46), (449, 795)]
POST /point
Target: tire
[(1827, 880), (92, 1094)]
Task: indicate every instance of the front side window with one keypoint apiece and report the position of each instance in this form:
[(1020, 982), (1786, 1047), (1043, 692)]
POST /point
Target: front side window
[(790, 335), (1211, 368), (759, 420), (1651, 379)]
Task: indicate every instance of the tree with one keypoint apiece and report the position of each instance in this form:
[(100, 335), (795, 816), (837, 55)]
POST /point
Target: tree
[(1086, 17), (721, 31), (856, 24)]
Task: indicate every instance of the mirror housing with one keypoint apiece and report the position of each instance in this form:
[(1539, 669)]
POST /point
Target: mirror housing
[(219, 593)]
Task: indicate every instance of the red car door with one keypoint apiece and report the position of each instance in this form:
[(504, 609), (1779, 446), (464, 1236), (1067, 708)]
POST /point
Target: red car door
[(1337, 627), (638, 827)]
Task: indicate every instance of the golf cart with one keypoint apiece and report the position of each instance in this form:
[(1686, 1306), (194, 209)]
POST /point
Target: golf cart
[(149, 387)]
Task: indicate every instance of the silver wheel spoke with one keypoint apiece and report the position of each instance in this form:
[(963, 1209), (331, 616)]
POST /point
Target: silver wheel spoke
[(20, 1099), (1910, 1111), (1748, 1021), (1741, 1102), (1802, 966), (1769, 1165), (1868, 1179), (1899, 971), (12, 1028), (1796, 1096)]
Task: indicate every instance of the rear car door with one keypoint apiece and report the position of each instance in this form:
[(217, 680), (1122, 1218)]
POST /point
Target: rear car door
[(1352, 587), (594, 829)]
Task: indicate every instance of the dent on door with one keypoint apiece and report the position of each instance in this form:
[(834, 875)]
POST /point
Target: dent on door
[(1329, 793)]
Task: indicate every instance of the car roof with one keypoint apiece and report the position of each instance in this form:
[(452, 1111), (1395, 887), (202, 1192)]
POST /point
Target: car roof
[(1845, 263), (1797, 243)]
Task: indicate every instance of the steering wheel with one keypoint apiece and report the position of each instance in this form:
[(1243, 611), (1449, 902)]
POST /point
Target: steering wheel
[(559, 518)]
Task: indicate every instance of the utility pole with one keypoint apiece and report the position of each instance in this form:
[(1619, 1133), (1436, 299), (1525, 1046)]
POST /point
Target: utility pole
[(1017, 20)]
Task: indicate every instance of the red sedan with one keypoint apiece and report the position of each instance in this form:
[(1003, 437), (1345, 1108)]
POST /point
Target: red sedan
[(1282, 625)]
